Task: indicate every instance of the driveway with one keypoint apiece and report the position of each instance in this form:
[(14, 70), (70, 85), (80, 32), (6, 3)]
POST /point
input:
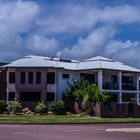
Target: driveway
[(70, 132)]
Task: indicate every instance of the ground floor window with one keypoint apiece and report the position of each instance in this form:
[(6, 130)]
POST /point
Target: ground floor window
[(128, 97), (11, 96), (50, 96), (113, 97), (30, 96)]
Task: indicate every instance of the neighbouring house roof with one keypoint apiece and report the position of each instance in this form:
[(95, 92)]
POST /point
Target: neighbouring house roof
[(92, 63)]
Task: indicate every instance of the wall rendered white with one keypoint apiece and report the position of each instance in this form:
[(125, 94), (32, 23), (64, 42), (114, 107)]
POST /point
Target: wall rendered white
[(62, 82)]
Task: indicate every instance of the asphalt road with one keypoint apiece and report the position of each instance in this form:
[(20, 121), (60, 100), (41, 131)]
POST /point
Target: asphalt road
[(70, 132)]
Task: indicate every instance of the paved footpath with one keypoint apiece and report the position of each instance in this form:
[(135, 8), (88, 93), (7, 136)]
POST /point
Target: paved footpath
[(71, 132)]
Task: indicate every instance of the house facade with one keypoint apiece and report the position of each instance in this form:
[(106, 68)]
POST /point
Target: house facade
[(35, 78)]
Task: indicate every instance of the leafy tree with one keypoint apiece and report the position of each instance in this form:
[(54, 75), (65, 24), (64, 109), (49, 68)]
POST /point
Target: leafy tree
[(13, 106), (87, 94), (76, 85), (40, 108)]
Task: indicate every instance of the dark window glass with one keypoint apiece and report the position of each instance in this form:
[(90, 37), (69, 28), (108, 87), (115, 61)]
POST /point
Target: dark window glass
[(22, 77), (65, 76), (30, 77), (11, 77), (51, 78), (88, 77), (114, 78), (127, 79), (30, 96), (50, 96), (11, 96), (38, 77)]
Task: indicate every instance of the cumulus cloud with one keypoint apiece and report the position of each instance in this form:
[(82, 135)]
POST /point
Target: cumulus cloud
[(92, 45), (127, 51), (41, 45), (70, 18), (29, 27), (15, 17)]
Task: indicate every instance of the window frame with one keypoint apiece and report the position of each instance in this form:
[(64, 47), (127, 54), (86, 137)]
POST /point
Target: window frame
[(22, 79), (11, 97), (38, 79), (30, 79), (27, 96), (51, 98), (51, 78), (12, 79), (65, 76)]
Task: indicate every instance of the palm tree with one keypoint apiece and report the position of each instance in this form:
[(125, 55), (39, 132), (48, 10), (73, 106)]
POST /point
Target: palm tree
[(89, 96)]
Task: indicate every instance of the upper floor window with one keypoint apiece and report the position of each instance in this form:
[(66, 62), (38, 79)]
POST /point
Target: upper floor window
[(38, 77), (51, 77), (11, 77), (22, 77), (30, 77), (65, 76), (88, 77), (127, 79)]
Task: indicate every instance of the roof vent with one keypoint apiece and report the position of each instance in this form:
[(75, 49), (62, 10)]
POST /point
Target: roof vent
[(65, 60)]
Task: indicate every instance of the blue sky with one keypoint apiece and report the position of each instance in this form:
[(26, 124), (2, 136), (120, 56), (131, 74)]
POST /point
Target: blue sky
[(77, 29)]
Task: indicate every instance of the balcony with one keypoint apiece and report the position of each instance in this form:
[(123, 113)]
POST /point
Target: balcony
[(111, 86), (129, 86)]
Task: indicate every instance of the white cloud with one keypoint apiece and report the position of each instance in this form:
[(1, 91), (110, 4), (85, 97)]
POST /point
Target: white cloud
[(92, 45), (70, 18), (23, 15), (41, 45), (27, 28), (15, 17), (127, 52)]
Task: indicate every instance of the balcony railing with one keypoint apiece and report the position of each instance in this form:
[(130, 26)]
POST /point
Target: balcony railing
[(115, 86), (129, 86), (112, 86)]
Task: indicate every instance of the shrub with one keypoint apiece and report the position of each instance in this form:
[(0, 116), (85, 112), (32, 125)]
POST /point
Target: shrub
[(3, 106), (58, 107), (13, 106), (40, 108)]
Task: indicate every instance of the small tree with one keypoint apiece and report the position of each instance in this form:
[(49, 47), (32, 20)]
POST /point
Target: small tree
[(13, 106), (3, 106), (86, 94), (78, 84), (40, 108), (89, 96), (58, 107)]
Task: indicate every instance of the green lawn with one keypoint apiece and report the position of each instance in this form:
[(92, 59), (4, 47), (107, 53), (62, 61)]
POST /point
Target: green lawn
[(62, 119)]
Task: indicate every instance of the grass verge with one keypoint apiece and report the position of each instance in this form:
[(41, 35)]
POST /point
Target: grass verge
[(63, 119)]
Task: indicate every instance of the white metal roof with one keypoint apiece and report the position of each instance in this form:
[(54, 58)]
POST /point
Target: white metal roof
[(92, 63)]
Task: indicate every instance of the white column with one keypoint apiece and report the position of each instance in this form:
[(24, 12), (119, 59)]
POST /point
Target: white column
[(7, 90), (138, 81), (137, 99), (137, 94), (100, 79), (120, 98), (120, 80)]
